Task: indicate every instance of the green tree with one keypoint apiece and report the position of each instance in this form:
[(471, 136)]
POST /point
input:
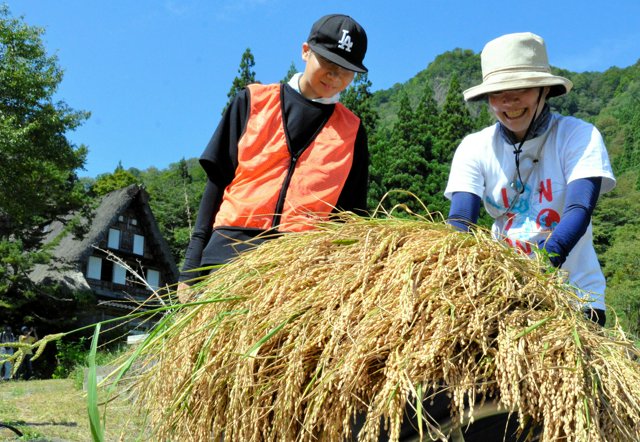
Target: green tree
[(378, 165), (38, 179), (357, 98), (403, 127), (290, 73), (455, 122), (630, 156), (119, 179), (399, 164), (175, 196), (426, 122), (484, 118), (622, 270), (246, 76), (38, 162)]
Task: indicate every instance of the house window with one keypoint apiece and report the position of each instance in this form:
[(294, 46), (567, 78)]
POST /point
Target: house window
[(107, 270), (153, 279), (119, 274), (134, 222), (138, 244), (94, 267), (114, 239), (121, 218)]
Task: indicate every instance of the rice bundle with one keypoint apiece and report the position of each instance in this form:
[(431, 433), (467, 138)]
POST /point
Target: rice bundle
[(296, 338)]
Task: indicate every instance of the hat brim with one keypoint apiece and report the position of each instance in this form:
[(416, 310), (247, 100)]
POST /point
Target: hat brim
[(559, 85), (333, 58)]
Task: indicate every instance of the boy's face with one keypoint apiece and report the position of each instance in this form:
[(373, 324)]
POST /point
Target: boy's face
[(322, 78)]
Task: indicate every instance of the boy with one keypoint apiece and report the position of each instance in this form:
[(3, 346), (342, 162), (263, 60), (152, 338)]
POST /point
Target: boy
[(284, 156)]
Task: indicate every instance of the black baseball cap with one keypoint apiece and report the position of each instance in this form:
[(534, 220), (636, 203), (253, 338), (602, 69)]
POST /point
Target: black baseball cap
[(341, 40)]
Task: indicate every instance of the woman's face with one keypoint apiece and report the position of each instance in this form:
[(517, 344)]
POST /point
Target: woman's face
[(516, 108), (322, 78)]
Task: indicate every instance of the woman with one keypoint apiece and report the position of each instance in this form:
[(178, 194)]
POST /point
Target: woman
[(539, 174)]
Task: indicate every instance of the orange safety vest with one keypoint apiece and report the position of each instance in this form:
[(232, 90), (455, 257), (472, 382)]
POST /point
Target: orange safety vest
[(272, 189)]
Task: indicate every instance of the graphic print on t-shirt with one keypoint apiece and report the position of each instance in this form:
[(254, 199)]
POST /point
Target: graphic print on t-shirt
[(531, 218)]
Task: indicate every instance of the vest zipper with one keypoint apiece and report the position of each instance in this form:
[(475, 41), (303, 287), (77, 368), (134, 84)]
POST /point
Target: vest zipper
[(294, 159), (283, 192)]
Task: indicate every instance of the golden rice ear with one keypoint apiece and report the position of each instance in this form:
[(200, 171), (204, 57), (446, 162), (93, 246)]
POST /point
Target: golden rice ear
[(296, 338)]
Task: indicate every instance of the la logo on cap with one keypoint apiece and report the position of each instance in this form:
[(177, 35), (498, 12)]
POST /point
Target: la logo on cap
[(345, 42)]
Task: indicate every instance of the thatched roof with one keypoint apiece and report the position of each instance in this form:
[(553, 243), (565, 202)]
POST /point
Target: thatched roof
[(75, 245)]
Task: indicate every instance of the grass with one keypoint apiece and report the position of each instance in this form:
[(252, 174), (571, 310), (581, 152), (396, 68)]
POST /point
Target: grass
[(55, 410)]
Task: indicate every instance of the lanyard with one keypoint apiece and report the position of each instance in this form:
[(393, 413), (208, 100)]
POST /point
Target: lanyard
[(516, 173)]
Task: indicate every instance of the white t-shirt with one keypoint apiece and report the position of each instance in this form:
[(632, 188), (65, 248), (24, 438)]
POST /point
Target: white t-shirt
[(484, 164)]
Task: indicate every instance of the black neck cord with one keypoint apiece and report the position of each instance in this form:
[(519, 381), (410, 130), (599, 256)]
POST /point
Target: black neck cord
[(518, 150)]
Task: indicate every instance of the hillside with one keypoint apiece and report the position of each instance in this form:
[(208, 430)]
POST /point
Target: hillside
[(463, 62), (592, 92)]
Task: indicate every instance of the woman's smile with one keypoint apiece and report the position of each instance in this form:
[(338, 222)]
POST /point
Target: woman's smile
[(515, 114)]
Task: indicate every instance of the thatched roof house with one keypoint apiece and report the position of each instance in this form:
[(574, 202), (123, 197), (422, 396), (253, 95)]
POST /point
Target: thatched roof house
[(109, 254)]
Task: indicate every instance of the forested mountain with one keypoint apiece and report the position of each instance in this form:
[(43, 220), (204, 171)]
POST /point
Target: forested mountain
[(414, 128)]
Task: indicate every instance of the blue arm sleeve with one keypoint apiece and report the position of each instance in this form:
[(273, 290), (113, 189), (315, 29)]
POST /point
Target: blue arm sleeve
[(464, 211), (582, 196)]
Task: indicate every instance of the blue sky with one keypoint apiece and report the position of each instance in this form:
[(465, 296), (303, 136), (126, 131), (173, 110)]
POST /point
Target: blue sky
[(155, 74)]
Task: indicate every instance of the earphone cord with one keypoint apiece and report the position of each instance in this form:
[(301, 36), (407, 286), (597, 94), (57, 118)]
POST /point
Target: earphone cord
[(518, 150)]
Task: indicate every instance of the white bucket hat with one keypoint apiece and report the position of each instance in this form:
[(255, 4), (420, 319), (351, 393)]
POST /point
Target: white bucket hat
[(516, 61)]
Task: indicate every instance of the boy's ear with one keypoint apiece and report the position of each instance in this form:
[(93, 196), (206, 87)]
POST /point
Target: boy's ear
[(306, 51)]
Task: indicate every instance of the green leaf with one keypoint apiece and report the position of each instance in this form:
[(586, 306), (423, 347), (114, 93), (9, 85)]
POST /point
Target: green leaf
[(255, 348), (96, 425)]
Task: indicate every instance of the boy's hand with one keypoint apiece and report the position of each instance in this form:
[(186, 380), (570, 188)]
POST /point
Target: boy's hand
[(184, 292)]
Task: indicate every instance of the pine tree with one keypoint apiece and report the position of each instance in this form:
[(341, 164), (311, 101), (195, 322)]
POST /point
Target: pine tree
[(384, 152), (290, 73), (426, 122), (246, 76), (399, 163), (403, 127), (357, 98), (455, 122), (379, 146), (176, 193), (484, 118)]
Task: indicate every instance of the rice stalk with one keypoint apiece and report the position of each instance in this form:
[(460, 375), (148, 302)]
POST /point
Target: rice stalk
[(298, 338)]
